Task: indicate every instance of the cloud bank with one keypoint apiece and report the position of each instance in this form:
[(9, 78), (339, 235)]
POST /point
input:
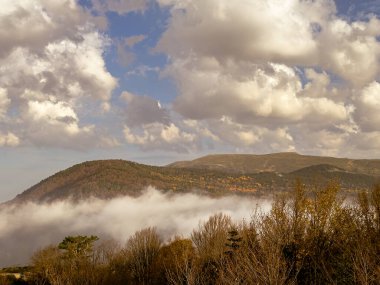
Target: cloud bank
[(29, 227)]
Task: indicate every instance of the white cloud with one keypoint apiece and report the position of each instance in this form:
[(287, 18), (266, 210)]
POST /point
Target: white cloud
[(250, 74), (34, 23), (52, 72), (351, 50), (302, 33), (56, 124), (367, 141), (55, 114), (152, 127), (142, 70), (4, 102), (247, 137), (51, 111), (175, 3), (162, 137), (367, 111), (248, 93), (119, 6), (9, 139), (317, 85), (322, 142), (268, 75), (257, 30)]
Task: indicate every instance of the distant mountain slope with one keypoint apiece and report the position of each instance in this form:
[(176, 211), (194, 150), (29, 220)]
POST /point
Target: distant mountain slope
[(278, 162), (320, 174), (111, 178), (106, 179)]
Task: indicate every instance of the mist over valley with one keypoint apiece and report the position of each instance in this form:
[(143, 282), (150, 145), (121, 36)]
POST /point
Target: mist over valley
[(31, 226)]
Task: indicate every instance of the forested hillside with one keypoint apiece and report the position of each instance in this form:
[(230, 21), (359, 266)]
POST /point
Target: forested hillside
[(112, 178), (284, 162)]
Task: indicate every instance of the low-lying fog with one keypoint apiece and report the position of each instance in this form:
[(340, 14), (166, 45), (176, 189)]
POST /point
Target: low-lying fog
[(25, 229)]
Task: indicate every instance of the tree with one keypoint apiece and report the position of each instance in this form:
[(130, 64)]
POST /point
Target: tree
[(176, 263), (142, 250), (47, 266), (71, 262), (78, 246), (366, 254), (233, 242), (210, 243)]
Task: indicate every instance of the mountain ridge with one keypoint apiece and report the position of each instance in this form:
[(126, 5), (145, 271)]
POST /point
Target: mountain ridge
[(284, 162), (211, 175)]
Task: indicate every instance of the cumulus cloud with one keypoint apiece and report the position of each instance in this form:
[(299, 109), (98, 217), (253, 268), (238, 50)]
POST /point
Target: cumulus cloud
[(256, 30), (52, 62), (52, 121), (254, 75), (271, 93), (33, 24), (297, 33), (318, 84), (157, 136), (288, 76), (26, 228), (151, 126), (351, 50), (365, 134), (246, 137), (329, 142), (367, 111)]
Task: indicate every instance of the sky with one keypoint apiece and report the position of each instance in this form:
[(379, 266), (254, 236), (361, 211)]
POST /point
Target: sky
[(155, 81)]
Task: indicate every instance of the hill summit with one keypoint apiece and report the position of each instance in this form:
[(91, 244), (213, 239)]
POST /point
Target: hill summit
[(212, 175)]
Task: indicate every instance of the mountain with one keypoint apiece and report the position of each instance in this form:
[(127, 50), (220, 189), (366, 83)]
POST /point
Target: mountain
[(212, 175), (111, 178), (322, 173), (285, 162)]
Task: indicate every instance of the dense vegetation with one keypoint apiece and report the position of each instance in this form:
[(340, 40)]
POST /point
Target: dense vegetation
[(111, 178), (284, 162), (311, 236)]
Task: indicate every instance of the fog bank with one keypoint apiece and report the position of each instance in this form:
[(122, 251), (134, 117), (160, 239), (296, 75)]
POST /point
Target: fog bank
[(27, 228)]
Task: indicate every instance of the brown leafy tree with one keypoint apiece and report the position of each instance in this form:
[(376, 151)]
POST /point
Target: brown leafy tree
[(209, 240), (142, 250)]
